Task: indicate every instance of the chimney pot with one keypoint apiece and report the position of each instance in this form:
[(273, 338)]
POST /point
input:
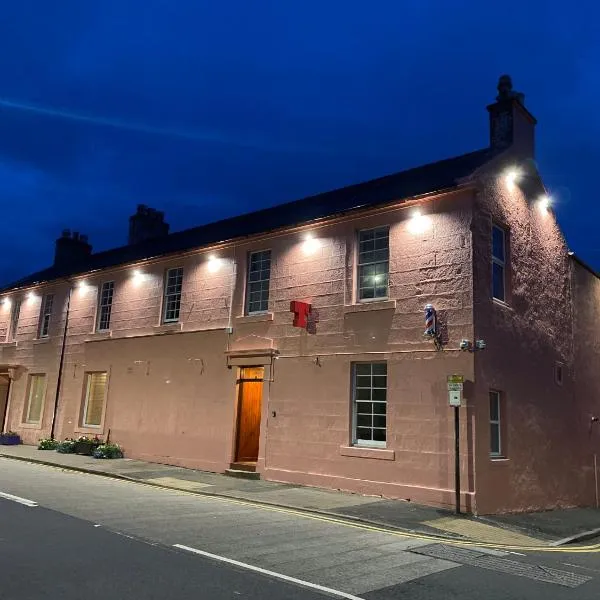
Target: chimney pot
[(146, 224), (71, 250)]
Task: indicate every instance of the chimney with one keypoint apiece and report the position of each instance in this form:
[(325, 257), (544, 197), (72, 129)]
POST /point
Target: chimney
[(146, 224), (511, 124), (71, 249)]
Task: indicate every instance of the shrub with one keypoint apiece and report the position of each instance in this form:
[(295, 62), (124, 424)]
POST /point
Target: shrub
[(66, 447), (47, 444), (108, 451)]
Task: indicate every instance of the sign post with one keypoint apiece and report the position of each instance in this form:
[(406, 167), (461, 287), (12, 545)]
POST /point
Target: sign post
[(455, 389)]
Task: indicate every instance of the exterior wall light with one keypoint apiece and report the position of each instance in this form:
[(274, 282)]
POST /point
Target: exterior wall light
[(137, 277), (83, 286), (214, 263), (311, 244), (6, 302), (544, 203), (512, 177), (31, 296), (419, 223)]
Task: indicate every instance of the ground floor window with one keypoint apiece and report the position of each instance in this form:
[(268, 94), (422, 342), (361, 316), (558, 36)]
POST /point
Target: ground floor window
[(95, 394), (495, 424), (369, 404), (35, 398)]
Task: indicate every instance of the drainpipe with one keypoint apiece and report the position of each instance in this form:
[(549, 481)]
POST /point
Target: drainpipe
[(5, 412), (60, 365)]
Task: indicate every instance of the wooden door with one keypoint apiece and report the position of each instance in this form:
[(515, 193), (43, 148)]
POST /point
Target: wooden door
[(250, 385)]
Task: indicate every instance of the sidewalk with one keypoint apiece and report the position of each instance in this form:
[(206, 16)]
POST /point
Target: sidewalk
[(534, 529)]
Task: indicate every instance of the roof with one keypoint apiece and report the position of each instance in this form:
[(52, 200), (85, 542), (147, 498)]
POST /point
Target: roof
[(583, 264), (429, 178)]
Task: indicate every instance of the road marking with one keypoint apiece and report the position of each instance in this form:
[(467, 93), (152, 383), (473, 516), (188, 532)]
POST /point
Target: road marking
[(243, 565), (18, 499)]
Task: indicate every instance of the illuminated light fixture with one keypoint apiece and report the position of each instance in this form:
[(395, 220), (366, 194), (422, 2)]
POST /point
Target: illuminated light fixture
[(544, 203), (30, 295), (5, 302), (82, 285), (419, 223), (311, 244), (137, 277), (512, 177), (214, 263)]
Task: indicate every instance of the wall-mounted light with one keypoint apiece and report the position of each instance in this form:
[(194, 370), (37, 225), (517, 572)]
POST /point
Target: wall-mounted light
[(419, 223), (31, 296), (82, 286), (137, 277), (544, 203), (5, 302), (214, 263), (512, 176), (311, 244)]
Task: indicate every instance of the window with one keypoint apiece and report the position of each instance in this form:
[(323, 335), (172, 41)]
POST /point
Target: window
[(373, 264), (95, 393), (498, 263), (35, 398), (495, 429), (45, 314), (105, 300), (14, 321), (558, 373), (172, 298), (369, 404), (259, 277)]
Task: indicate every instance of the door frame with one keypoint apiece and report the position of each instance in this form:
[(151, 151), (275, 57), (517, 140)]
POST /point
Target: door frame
[(238, 408)]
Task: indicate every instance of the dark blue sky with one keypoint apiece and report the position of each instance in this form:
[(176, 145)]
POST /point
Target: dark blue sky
[(209, 108)]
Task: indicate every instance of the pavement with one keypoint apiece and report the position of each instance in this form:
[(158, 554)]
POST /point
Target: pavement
[(56, 539), (523, 530)]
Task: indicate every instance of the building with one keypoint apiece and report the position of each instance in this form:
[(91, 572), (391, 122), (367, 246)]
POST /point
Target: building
[(182, 347)]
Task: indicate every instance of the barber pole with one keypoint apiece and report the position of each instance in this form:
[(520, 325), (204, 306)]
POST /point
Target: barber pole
[(430, 325)]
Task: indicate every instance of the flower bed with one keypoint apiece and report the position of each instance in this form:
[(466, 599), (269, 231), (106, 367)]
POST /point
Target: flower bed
[(108, 451), (47, 444), (10, 438)]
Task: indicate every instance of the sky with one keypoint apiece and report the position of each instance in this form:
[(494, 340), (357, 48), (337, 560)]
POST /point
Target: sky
[(206, 109)]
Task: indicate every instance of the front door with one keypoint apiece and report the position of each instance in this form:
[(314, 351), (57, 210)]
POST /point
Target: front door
[(250, 385)]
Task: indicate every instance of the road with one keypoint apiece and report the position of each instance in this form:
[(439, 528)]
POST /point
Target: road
[(75, 534)]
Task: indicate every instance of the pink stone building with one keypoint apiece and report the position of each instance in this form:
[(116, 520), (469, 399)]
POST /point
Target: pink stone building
[(182, 348)]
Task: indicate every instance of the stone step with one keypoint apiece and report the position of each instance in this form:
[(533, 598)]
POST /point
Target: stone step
[(242, 474)]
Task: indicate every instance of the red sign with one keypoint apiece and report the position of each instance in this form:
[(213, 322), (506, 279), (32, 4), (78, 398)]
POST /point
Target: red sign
[(305, 316)]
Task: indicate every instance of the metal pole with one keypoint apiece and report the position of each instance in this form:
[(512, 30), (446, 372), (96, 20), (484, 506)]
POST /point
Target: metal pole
[(60, 365), (457, 458), (596, 477)]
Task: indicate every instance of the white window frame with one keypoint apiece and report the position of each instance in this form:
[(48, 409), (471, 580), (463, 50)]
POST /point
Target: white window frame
[(88, 381), (167, 296), (496, 423), (360, 264), (498, 261), (105, 305), (45, 316), (27, 418), (249, 283), (359, 443), (15, 313)]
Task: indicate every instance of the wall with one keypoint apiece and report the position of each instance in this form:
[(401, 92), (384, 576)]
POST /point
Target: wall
[(526, 337)]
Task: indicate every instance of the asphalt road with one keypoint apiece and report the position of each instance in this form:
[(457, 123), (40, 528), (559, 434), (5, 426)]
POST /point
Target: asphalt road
[(91, 536)]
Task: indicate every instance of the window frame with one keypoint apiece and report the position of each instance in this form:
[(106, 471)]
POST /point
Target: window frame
[(502, 263), (45, 316), (355, 441), (166, 296), (27, 412), (86, 398), (101, 306), (360, 264), (248, 301), (13, 324), (496, 423)]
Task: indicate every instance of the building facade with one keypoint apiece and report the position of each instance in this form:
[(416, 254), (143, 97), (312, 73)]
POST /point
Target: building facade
[(291, 341)]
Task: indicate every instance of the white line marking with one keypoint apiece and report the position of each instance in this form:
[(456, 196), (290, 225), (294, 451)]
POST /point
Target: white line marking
[(301, 582), (18, 499)]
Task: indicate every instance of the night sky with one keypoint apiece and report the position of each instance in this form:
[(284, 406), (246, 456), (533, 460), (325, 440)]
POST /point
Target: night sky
[(206, 109)]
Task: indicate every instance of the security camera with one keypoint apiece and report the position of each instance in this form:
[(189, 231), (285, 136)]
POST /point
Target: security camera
[(465, 344), (480, 344)]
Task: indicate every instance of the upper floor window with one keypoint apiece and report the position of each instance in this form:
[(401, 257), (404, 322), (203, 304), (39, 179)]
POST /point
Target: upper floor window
[(14, 321), (369, 404), (105, 300), (498, 263), (259, 278), (172, 295), (373, 264), (45, 314)]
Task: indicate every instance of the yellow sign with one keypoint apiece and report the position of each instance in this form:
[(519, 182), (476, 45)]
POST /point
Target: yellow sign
[(456, 379)]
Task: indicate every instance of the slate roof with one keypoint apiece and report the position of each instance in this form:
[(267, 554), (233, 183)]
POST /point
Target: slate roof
[(432, 177)]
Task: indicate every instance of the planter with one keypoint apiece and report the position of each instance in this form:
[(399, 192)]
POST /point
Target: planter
[(85, 448), (10, 439)]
